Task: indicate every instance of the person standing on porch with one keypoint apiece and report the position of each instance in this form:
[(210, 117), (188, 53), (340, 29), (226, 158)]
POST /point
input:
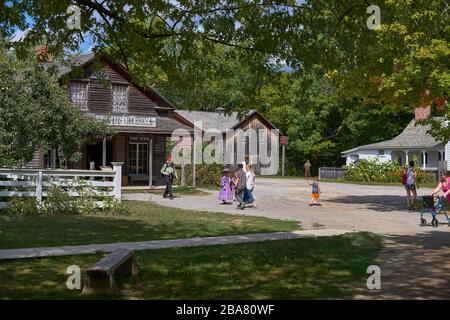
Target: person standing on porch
[(307, 168), (169, 174)]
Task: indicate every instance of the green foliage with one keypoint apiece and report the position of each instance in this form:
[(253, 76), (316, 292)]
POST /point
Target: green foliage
[(206, 174), (376, 171), (21, 206), (319, 124), (60, 201), (35, 112)]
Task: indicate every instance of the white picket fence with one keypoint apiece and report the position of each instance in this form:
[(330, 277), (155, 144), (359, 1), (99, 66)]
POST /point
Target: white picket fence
[(35, 182)]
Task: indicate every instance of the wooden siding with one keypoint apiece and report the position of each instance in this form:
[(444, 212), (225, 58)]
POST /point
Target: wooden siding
[(37, 162), (259, 158), (100, 92), (159, 157)]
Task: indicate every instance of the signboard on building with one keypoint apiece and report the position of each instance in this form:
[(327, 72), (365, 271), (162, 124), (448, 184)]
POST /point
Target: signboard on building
[(127, 120)]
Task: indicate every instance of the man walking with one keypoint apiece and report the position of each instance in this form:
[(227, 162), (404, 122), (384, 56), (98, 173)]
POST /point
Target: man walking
[(240, 185), (307, 168), (168, 172)]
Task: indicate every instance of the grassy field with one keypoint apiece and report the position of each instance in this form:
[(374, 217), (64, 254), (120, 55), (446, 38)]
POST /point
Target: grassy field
[(147, 221), (320, 268)]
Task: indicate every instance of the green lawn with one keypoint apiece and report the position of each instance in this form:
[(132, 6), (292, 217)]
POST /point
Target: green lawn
[(147, 221), (329, 267)]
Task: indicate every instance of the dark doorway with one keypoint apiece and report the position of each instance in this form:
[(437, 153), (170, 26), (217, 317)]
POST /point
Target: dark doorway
[(94, 153)]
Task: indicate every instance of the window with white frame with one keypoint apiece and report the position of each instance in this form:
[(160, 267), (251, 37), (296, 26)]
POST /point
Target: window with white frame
[(119, 98), (79, 94)]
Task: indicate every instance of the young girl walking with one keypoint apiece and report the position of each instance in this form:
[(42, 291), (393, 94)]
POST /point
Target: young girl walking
[(225, 194)]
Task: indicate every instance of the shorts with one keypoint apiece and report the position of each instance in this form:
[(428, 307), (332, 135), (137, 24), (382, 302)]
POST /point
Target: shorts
[(315, 196), (410, 187)]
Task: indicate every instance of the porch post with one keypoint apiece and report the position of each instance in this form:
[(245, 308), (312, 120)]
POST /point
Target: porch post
[(150, 164), (406, 157), (424, 157), (104, 152), (53, 153), (193, 160), (117, 168)]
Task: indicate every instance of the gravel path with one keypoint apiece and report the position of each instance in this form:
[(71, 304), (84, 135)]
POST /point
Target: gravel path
[(415, 261)]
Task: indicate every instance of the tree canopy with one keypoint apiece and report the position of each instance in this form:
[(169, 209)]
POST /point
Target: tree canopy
[(35, 112), (406, 57)]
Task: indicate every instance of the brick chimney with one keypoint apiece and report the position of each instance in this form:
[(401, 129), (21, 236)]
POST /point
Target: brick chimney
[(422, 113), (43, 54)]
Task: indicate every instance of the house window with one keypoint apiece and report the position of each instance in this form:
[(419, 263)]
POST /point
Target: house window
[(52, 157), (381, 152), (138, 153), (119, 98), (79, 94)]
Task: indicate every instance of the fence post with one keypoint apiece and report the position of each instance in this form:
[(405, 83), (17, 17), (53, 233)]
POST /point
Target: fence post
[(39, 187), (117, 168)]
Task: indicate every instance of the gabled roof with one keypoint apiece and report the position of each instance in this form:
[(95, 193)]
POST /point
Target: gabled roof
[(64, 68), (209, 119), (230, 121), (414, 136)]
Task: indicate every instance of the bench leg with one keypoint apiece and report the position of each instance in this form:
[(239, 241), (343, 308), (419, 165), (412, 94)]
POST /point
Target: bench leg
[(95, 284), (128, 268)]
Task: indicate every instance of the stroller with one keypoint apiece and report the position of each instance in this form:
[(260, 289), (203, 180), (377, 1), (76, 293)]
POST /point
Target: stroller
[(433, 206)]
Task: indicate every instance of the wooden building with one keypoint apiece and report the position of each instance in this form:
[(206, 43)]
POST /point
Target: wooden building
[(142, 118), (235, 132)]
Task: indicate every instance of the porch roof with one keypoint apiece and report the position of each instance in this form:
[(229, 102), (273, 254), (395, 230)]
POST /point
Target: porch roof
[(164, 125), (414, 136)]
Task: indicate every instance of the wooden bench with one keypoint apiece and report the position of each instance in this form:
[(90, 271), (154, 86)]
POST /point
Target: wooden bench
[(101, 276)]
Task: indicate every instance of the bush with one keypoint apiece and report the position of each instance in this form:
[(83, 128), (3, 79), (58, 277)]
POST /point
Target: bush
[(22, 206), (376, 171), (59, 202), (206, 174)]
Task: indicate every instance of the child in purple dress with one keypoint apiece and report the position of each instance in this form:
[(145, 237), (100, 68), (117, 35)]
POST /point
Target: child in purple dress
[(225, 194)]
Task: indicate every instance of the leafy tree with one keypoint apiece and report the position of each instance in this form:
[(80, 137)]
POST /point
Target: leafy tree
[(218, 78), (405, 61), (319, 124), (35, 112)]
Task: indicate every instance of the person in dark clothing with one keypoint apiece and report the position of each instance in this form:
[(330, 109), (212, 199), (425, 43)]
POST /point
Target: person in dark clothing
[(169, 174), (240, 185)]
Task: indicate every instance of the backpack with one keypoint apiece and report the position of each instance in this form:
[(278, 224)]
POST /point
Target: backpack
[(404, 178)]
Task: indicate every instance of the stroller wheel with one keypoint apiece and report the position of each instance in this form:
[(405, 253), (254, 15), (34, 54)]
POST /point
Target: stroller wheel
[(423, 222)]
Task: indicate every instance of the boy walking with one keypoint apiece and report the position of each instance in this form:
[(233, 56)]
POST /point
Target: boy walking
[(315, 192)]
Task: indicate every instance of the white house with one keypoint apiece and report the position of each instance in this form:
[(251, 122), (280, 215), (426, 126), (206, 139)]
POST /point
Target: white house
[(412, 143)]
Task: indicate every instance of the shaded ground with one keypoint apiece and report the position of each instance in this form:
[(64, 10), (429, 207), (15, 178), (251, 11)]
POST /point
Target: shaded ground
[(415, 260), (413, 267), (146, 221), (320, 268)]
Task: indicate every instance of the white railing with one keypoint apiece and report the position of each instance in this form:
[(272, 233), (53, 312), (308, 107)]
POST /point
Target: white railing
[(36, 182)]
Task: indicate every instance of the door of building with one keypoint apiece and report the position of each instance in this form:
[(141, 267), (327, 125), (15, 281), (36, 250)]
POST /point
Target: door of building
[(94, 153)]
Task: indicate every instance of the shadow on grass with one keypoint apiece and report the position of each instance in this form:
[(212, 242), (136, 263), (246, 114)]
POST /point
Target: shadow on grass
[(148, 222), (329, 267), (415, 267)]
